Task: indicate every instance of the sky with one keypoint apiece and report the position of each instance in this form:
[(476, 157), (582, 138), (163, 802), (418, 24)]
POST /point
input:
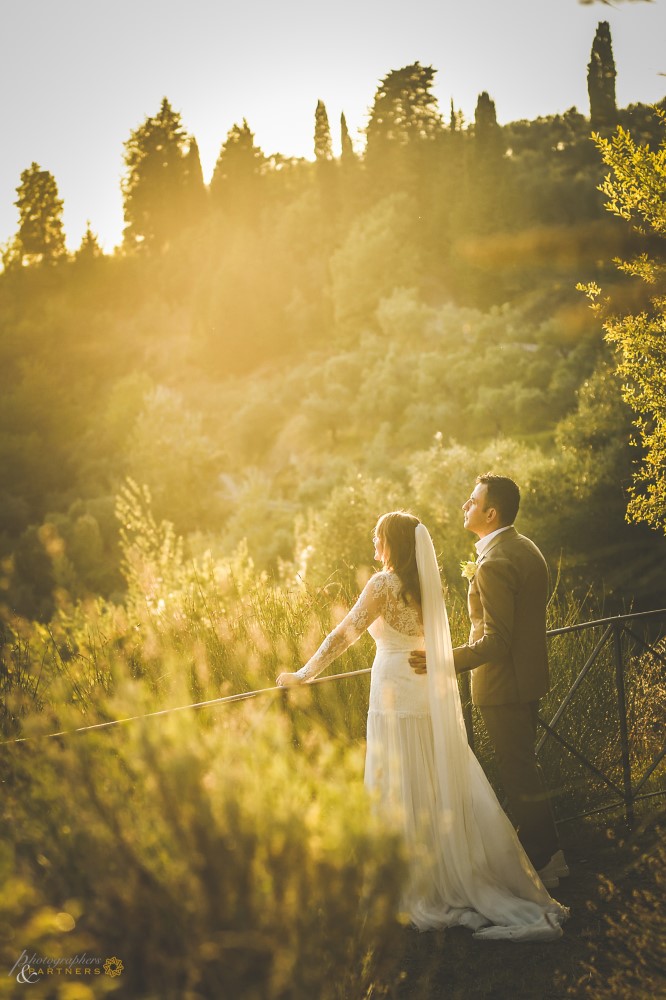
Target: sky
[(79, 75)]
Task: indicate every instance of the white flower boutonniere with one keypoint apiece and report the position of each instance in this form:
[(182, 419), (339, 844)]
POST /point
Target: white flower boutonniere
[(468, 570)]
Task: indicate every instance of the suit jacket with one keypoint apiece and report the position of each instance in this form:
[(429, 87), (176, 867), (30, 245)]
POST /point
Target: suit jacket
[(506, 601)]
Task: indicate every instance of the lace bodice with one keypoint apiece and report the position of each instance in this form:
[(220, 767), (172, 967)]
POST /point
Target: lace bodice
[(380, 599)]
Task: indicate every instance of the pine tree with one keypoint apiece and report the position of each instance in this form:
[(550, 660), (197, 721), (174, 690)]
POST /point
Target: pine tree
[(404, 109), (323, 145), (601, 79), (40, 235), (89, 248), (156, 188), (235, 185), (404, 120)]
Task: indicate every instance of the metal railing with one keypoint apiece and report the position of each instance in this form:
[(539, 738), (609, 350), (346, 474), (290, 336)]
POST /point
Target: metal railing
[(615, 630), (616, 635)]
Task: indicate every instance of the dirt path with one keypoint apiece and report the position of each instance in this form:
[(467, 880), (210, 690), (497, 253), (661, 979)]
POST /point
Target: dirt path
[(450, 965)]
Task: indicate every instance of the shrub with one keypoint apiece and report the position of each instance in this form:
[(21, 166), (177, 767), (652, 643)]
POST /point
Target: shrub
[(230, 857)]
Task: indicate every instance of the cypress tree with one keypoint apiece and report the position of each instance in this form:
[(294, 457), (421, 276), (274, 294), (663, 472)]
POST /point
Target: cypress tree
[(601, 79), (486, 130), (456, 119), (487, 173), (327, 178), (348, 155), (323, 145), (194, 182)]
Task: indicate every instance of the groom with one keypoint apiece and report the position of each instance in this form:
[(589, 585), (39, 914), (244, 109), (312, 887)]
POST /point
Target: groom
[(507, 653)]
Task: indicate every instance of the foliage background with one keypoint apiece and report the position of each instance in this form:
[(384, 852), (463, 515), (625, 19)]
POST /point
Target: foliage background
[(197, 435), (380, 328)]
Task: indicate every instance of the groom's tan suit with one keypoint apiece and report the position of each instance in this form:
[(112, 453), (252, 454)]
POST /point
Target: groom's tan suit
[(507, 653)]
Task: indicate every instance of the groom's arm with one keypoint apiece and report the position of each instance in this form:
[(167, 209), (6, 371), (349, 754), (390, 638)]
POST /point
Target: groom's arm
[(496, 585), (418, 663)]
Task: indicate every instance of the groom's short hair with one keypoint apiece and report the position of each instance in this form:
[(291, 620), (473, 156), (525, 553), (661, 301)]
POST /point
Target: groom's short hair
[(503, 494)]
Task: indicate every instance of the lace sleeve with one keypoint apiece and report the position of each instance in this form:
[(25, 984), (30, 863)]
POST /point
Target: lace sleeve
[(368, 607)]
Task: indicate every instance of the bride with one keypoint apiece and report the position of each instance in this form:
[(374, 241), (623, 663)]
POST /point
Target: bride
[(466, 864)]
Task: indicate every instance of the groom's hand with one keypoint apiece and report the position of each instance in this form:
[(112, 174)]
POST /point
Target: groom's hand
[(417, 661)]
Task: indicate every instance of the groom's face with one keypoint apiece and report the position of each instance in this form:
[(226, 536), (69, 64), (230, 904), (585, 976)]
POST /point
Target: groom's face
[(475, 510)]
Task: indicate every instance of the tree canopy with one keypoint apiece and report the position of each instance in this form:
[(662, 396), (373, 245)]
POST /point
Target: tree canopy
[(404, 115), (636, 192), (238, 171), (163, 179), (40, 234), (301, 332)]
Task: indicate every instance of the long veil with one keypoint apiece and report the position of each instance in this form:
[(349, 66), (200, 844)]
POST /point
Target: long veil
[(484, 875)]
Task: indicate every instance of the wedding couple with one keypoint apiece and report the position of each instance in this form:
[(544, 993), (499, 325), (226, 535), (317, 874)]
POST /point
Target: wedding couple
[(467, 864)]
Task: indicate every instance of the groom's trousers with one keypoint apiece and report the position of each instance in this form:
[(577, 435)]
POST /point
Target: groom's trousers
[(512, 731)]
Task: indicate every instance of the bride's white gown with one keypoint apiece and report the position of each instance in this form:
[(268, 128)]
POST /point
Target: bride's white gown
[(466, 864)]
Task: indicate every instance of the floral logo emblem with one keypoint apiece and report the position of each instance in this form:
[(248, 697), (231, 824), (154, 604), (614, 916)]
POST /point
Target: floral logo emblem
[(113, 967), (468, 570)]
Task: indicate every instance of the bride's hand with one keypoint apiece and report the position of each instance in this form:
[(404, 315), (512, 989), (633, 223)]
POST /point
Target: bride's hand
[(417, 661), (287, 680)]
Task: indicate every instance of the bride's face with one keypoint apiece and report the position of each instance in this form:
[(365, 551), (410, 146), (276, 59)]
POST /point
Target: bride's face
[(381, 549)]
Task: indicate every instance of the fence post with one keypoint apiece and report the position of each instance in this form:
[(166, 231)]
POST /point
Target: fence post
[(624, 735)]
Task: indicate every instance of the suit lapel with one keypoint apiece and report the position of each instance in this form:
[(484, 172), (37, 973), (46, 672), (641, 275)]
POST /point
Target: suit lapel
[(504, 536)]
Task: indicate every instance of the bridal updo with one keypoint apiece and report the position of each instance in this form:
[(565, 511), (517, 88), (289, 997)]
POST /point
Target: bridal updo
[(396, 531)]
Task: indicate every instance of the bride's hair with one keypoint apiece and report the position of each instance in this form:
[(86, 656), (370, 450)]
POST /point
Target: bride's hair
[(396, 530)]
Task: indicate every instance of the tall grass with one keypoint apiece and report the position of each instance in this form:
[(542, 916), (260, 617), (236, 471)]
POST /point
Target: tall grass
[(230, 851), (218, 628), (217, 859)]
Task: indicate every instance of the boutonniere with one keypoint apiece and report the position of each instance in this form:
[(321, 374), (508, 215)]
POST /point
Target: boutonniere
[(468, 570)]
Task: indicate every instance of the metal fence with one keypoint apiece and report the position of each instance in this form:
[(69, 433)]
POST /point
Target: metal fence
[(617, 635)]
